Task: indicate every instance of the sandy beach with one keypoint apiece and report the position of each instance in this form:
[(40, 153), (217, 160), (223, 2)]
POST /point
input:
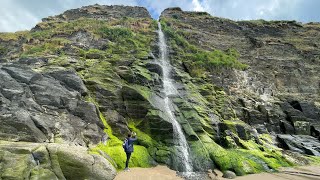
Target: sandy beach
[(164, 173), (156, 173)]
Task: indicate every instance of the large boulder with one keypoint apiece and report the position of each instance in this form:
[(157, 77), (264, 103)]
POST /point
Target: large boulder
[(32, 161)]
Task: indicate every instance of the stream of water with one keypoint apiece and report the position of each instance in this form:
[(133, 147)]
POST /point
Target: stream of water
[(170, 90)]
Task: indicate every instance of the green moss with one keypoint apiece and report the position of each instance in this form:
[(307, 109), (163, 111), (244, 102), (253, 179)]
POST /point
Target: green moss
[(15, 166), (144, 139), (41, 173), (142, 72), (314, 159), (143, 90), (265, 138), (245, 161), (113, 140), (142, 55), (232, 124), (139, 158), (59, 61), (92, 54), (113, 147)]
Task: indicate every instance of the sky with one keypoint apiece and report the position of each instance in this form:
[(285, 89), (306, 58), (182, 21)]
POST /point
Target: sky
[(16, 15)]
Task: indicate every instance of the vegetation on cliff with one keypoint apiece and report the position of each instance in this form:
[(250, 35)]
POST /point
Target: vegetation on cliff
[(196, 59)]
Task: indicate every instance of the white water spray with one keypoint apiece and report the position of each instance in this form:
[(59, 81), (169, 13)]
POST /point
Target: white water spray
[(170, 90)]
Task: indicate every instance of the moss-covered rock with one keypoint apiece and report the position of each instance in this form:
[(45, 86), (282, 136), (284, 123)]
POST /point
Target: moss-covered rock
[(22, 160), (40, 173)]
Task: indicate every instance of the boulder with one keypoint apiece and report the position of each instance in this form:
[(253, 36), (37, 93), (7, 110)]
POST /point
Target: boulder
[(51, 161), (229, 175)]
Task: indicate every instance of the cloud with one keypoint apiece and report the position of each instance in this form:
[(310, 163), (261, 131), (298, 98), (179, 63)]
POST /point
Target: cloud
[(300, 10), (22, 14), (197, 6), (156, 6)]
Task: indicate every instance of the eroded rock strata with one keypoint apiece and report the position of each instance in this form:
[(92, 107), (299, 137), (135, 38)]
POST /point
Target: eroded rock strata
[(247, 101)]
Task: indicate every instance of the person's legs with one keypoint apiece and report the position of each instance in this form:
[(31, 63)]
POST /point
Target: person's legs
[(128, 158)]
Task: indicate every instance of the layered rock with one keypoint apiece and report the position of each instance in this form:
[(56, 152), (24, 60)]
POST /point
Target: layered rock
[(46, 107)]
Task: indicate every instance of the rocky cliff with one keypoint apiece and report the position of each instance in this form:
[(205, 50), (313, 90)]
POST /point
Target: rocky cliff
[(278, 91), (247, 101)]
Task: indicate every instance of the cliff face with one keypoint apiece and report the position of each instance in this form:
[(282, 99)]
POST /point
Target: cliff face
[(278, 91), (88, 76)]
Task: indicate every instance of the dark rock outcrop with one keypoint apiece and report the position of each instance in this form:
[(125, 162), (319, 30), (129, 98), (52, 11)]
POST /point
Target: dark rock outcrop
[(300, 143), (46, 107)]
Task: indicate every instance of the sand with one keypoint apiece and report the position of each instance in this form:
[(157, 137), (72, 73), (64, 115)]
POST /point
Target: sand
[(164, 173), (294, 173), (156, 173)]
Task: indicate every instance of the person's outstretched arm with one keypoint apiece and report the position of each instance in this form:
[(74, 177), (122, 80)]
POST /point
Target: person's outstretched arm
[(134, 138)]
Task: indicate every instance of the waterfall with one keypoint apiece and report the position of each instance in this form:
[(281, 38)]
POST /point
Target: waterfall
[(170, 90)]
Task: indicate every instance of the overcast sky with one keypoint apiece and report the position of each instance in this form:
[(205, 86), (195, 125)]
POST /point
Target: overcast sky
[(18, 15)]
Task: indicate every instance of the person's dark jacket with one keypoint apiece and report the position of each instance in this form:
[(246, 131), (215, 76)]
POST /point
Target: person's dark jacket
[(130, 144)]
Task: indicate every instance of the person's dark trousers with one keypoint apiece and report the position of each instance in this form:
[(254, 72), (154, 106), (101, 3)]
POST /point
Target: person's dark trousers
[(128, 158)]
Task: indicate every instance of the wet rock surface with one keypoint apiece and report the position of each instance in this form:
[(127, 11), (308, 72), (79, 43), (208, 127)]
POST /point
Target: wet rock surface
[(300, 143)]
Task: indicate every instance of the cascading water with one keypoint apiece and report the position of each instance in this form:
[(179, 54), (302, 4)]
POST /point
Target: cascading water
[(170, 90)]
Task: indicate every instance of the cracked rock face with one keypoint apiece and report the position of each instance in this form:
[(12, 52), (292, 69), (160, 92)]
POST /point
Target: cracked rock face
[(46, 107)]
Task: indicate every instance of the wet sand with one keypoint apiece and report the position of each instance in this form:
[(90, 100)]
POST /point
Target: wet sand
[(164, 173)]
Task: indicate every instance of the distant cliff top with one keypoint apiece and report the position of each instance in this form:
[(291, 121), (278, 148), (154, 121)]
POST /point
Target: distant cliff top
[(178, 13), (102, 12)]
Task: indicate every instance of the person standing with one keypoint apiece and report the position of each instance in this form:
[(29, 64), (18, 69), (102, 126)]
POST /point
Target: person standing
[(128, 147)]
